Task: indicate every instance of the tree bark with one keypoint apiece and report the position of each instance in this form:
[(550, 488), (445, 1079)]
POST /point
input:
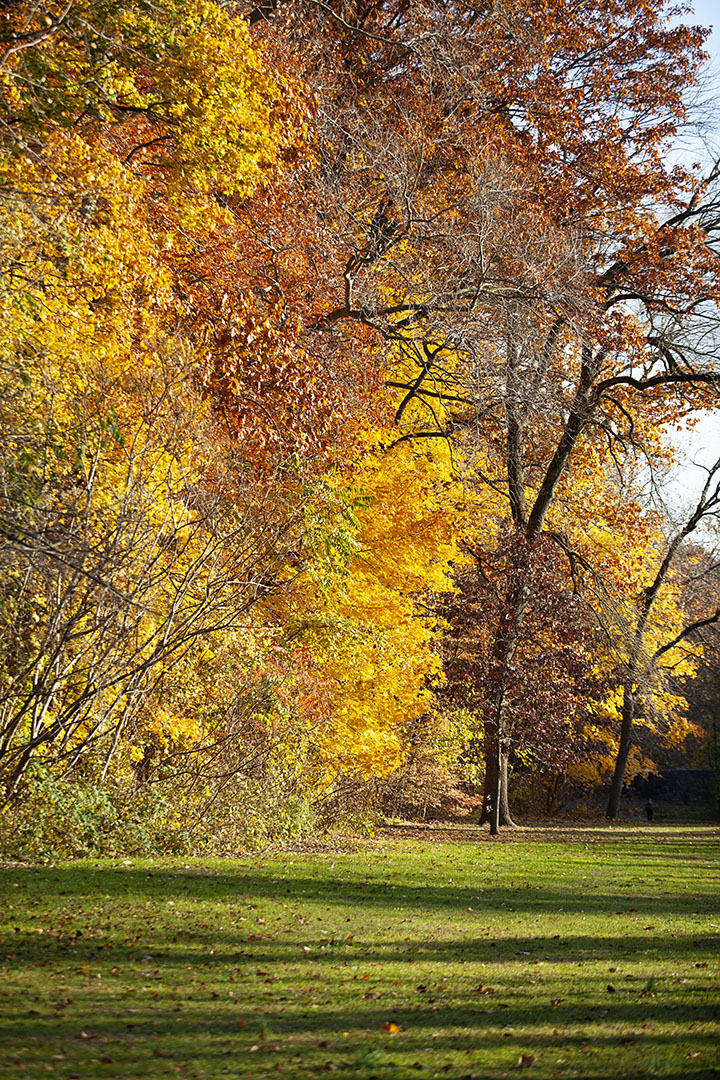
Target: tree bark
[(505, 818), (626, 741)]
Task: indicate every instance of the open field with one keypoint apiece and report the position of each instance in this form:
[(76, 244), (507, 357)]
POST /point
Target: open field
[(582, 953)]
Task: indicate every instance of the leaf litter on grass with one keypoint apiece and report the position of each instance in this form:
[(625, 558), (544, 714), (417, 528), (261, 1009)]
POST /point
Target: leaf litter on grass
[(221, 998)]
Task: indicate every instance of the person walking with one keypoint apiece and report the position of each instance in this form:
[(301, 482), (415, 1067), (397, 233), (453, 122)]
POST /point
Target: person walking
[(649, 809)]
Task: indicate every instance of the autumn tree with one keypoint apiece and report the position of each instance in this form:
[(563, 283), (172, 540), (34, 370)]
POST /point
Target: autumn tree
[(137, 534), (239, 241), (646, 650), (554, 675), (363, 607), (206, 569), (495, 205)]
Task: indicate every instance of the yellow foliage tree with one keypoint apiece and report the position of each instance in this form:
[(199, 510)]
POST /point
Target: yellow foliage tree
[(127, 527), (364, 615)]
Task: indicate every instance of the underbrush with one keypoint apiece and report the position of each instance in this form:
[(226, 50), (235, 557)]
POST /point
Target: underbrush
[(58, 818)]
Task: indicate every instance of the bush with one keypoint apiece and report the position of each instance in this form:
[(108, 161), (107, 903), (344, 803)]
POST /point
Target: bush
[(55, 818), (252, 814)]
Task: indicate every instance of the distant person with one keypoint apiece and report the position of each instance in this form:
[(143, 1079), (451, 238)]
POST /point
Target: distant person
[(649, 809)]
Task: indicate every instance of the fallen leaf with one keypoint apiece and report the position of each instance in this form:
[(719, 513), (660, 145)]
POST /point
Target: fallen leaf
[(390, 1028), (525, 1060)]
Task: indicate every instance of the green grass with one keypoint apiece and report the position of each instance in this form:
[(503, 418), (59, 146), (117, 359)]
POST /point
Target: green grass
[(587, 953)]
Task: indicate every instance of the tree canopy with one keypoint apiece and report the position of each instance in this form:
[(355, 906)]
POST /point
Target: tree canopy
[(338, 344)]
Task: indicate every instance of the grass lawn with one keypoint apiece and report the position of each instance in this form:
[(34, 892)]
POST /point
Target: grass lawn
[(583, 953)]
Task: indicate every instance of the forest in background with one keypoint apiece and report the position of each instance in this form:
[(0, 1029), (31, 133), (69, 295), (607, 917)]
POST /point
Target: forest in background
[(340, 344)]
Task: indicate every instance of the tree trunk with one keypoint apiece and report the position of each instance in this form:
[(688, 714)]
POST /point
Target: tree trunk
[(505, 818), (497, 741), (496, 801), (626, 740), (491, 789)]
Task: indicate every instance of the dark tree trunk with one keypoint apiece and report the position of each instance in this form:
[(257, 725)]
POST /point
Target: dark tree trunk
[(496, 802), (626, 741), (490, 786), (497, 735)]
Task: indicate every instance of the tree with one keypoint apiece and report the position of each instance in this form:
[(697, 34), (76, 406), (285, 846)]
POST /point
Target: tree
[(136, 534), (121, 559), (229, 256), (495, 206), (640, 659), (390, 539), (553, 673), (171, 443)]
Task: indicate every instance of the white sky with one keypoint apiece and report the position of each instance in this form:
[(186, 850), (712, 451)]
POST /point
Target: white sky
[(705, 12)]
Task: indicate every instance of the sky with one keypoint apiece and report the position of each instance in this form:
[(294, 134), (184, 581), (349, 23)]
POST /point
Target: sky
[(705, 12)]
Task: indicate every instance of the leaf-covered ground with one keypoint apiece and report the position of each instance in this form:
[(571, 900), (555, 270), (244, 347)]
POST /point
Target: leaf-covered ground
[(587, 953)]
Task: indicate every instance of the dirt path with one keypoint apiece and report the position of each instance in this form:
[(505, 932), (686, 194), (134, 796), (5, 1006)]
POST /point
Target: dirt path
[(587, 833)]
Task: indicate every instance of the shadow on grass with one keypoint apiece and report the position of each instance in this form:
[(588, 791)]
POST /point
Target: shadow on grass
[(302, 1038), (243, 884), (296, 988)]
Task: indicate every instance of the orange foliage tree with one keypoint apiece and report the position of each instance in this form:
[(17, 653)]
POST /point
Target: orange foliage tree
[(493, 202)]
